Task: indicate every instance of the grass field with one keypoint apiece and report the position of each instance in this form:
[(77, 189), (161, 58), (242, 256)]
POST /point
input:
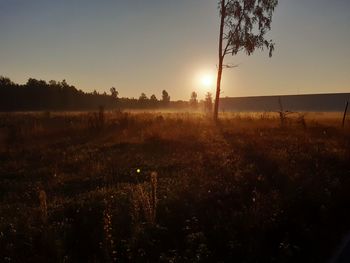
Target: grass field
[(172, 187)]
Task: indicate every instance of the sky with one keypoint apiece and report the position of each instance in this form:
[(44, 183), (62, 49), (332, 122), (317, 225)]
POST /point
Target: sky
[(150, 45)]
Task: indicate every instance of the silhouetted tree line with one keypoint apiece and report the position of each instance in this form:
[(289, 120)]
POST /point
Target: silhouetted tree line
[(38, 95)]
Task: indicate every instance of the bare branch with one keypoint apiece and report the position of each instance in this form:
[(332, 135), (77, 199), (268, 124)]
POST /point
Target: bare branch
[(229, 66)]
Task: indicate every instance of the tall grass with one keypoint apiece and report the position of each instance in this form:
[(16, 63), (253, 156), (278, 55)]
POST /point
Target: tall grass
[(245, 190)]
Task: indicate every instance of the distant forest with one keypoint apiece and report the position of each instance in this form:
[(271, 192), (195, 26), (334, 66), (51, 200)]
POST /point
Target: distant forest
[(39, 95)]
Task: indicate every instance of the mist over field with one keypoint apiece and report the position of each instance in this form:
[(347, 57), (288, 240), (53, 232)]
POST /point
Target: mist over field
[(165, 187)]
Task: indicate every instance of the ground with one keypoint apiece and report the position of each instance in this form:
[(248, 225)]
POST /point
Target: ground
[(172, 187)]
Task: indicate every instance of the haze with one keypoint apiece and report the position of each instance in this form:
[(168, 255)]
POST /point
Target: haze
[(147, 46)]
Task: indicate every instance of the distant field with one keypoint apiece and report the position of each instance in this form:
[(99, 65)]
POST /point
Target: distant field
[(173, 187)]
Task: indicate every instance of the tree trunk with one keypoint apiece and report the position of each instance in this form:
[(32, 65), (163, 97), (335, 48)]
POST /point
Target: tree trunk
[(221, 59), (218, 90), (345, 111)]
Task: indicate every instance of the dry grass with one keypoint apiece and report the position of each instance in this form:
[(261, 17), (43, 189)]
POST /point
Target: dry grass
[(245, 190)]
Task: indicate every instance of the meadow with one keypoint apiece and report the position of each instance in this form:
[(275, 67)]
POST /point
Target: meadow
[(173, 187)]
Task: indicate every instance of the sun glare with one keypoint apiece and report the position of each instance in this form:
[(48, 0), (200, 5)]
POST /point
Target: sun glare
[(206, 80)]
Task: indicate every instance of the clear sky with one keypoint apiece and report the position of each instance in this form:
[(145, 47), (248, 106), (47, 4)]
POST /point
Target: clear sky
[(150, 45)]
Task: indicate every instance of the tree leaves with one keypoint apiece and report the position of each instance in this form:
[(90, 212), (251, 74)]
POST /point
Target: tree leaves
[(246, 25)]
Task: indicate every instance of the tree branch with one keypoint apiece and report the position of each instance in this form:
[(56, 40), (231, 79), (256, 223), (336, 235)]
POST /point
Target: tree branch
[(234, 32), (229, 66)]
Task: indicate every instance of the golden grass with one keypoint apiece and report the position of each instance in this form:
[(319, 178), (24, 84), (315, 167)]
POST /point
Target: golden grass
[(214, 192)]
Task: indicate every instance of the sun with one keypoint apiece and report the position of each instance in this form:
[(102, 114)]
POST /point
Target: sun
[(207, 80)]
